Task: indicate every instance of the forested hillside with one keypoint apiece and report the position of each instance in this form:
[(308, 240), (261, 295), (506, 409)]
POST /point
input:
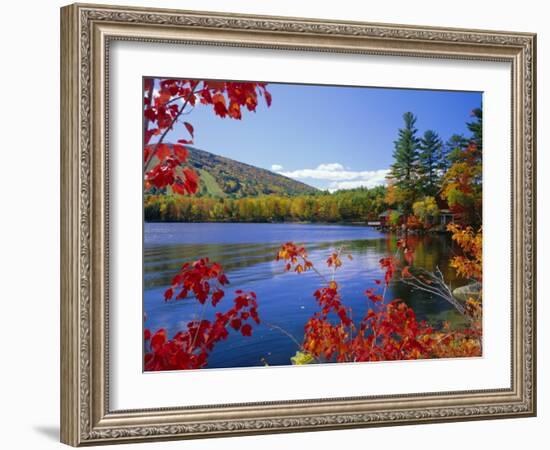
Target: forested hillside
[(225, 177)]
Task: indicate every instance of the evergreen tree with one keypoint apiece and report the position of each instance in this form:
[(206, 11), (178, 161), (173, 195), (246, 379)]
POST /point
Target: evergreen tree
[(404, 170), (462, 183), (429, 158), (476, 128), (453, 148)]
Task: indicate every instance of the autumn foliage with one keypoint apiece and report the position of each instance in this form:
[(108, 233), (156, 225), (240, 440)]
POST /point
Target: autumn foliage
[(189, 349), (165, 166), (469, 264), (385, 330), (166, 104)]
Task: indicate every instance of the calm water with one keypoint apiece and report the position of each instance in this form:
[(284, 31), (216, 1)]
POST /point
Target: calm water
[(247, 251)]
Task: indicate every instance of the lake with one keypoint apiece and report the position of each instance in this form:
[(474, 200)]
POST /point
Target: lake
[(247, 252)]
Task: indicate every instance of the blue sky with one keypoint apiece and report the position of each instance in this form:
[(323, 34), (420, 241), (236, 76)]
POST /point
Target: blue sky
[(330, 137)]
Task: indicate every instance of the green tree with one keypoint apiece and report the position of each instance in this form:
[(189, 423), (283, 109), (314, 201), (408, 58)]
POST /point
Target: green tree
[(217, 213), (453, 149), (425, 209), (476, 128), (429, 158), (404, 170), (394, 217)]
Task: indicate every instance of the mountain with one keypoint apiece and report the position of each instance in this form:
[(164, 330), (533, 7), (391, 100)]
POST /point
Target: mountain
[(225, 177)]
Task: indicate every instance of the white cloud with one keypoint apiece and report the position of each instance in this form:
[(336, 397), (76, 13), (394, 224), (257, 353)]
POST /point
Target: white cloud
[(276, 167), (339, 177), (378, 178), (331, 167)]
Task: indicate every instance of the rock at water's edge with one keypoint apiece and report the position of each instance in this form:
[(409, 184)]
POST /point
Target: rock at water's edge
[(463, 293)]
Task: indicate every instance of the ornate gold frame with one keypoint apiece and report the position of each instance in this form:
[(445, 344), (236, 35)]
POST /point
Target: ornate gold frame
[(86, 31)]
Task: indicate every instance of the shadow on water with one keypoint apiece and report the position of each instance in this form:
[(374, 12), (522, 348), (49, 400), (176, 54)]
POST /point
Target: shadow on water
[(247, 253)]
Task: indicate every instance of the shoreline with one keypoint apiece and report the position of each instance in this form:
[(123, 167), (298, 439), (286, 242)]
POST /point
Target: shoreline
[(365, 224), (349, 224)]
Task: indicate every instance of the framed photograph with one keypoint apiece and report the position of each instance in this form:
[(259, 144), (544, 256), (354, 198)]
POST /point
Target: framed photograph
[(276, 225)]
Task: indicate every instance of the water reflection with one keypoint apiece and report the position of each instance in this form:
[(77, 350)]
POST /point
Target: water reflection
[(247, 252)]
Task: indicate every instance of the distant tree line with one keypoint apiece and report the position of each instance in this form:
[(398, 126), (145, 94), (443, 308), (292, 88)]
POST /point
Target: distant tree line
[(359, 204)]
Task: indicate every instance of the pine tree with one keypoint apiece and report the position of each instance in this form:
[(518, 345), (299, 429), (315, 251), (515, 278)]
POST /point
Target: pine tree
[(404, 170), (453, 148), (462, 183), (476, 128), (429, 158)]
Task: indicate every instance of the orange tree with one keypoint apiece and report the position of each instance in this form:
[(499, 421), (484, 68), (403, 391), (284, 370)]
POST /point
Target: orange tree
[(469, 264), (166, 102), (462, 182)]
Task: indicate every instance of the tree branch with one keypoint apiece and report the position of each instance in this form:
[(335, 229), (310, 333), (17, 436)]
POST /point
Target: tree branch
[(149, 100), (439, 287), (174, 120)]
